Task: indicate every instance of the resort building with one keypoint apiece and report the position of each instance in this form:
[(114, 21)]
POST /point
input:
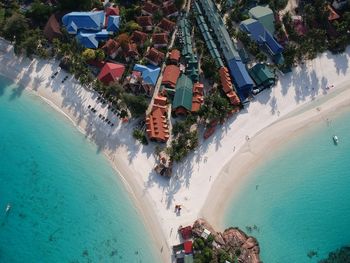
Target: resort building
[(227, 86), (149, 8), (111, 72), (145, 22), (156, 122), (208, 39), (263, 76), (184, 36), (166, 25), (139, 38), (182, 103), (52, 28), (198, 96), (111, 48), (154, 56), (258, 33), (170, 76), (265, 16), (112, 11), (170, 10), (160, 40), (91, 27), (237, 69), (149, 73), (130, 52), (174, 56)]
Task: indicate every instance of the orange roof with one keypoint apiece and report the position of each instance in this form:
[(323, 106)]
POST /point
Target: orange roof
[(52, 28), (130, 50), (175, 55), (170, 75), (234, 100), (160, 38), (332, 14), (167, 25), (156, 122), (197, 99), (225, 80)]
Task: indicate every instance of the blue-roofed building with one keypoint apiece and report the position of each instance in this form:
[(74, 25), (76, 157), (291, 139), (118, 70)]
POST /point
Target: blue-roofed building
[(88, 40), (149, 73), (243, 81), (237, 69), (113, 23), (76, 21), (258, 33)]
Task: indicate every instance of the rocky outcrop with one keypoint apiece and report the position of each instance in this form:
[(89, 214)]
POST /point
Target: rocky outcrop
[(232, 240), (341, 255)]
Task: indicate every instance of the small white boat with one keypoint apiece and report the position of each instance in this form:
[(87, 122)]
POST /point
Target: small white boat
[(335, 139), (8, 207)]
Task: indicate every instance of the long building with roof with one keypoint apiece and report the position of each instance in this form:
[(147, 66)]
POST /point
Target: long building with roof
[(203, 27), (238, 71)]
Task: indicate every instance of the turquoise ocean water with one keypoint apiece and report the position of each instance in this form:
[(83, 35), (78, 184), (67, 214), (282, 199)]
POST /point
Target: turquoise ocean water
[(68, 205), (299, 198)]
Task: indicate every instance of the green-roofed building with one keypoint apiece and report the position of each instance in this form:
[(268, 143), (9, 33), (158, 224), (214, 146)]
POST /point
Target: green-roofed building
[(182, 103), (262, 75), (265, 16)]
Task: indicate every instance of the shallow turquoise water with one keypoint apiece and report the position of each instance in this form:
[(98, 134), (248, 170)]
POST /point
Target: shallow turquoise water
[(68, 205), (299, 199)]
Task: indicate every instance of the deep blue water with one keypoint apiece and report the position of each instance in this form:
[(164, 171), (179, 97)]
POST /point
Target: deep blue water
[(68, 204), (299, 198)]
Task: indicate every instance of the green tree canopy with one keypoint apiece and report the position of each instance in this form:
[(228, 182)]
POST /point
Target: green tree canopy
[(15, 28)]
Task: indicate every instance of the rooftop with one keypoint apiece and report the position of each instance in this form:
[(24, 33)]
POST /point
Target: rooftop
[(183, 93), (111, 72), (170, 76), (149, 73)]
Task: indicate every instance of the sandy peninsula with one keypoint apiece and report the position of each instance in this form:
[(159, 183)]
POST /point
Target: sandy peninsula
[(202, 183)]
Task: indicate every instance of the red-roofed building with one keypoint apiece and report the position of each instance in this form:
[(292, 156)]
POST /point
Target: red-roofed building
[(234, 100), (198, 97), (188, 247), (225, 80), (52, 28), (112, 11), (174, 56), (170, 76), (145, 22), (299, 26), (139, 37), (149, 8), (170, 10), (154, 56), (111, 48), (186, 232), (166, 25), (160, 40), (332, 14), (130, 51), (157, 128), (111, 72)]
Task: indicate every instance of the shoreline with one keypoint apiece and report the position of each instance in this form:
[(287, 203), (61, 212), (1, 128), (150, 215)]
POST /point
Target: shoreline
[(239, 170), (194, 180)]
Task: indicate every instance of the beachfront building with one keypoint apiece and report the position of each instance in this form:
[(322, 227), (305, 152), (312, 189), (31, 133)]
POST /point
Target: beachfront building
[(265, 16), (111, 72), (258, 33), (52, 28), (228, 87), (157, 128), (91, 27), (263, 76), (237, 69)]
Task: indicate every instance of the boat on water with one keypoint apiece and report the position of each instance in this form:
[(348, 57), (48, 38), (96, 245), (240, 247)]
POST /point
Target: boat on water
[(8, 208), (335, 139)]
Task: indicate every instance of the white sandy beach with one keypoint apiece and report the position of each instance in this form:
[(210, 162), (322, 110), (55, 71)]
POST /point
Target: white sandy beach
[(197, 183)]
